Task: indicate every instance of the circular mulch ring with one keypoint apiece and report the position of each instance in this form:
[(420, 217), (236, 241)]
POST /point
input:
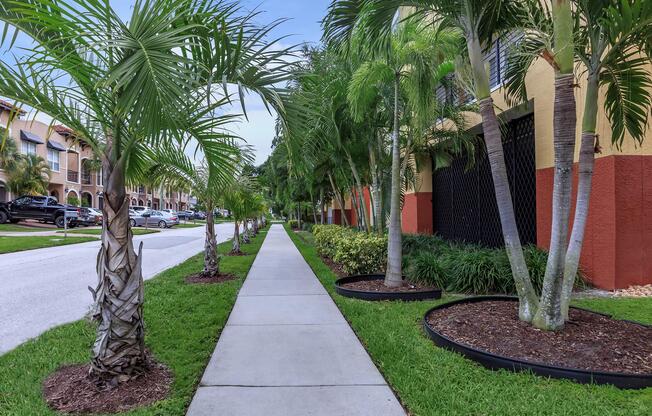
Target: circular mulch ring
[(201, 278), (371, 287), (592, 348), (71, 390)]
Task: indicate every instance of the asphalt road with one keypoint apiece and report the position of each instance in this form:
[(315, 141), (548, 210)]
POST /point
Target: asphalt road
[(44, 288)]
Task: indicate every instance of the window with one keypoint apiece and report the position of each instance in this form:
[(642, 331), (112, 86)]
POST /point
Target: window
[(23, 201), (100, 178), (28, 148), (53, 160)]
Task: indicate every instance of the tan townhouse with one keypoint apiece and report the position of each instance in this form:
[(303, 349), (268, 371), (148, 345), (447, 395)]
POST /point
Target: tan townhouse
[(74, 171)]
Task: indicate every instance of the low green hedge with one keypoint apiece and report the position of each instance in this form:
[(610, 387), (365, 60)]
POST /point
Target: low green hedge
[(294, 224), (455, 267), (357, 252), (468, 268)]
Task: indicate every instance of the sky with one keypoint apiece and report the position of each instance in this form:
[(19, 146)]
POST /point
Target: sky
[(302, 26)]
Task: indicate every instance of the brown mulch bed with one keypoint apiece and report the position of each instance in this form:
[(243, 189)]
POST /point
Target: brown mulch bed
[(589, 341), (335, 267), (379, 286), (202, 278), (71, 390)]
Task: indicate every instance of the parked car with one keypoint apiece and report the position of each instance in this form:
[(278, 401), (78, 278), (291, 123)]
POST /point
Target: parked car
[(160, 218), (89, 216), (40, 208), (200, 215), (185, 215), (139, 208), (135, 219)]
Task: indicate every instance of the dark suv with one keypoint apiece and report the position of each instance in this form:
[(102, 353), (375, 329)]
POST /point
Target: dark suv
[(40, 208)]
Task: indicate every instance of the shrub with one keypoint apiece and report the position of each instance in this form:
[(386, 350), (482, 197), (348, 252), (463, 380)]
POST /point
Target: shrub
[(466, 268), (425, 267), (294, 224), (327, 236), (419, 242), (361, 253), (306, 226)]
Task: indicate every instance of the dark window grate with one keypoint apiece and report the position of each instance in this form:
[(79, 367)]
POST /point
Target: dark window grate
[(464, 203)]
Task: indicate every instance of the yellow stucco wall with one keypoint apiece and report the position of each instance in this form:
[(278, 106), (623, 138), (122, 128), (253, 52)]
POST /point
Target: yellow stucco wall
[(540, 87)]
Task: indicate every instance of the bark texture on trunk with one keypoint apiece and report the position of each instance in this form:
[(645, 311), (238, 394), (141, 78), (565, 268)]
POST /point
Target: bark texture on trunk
[(235, 248), (118, 353), (246, 233), (584, 182), (394, 274), (211, 258), (549, 315), (493, 141)]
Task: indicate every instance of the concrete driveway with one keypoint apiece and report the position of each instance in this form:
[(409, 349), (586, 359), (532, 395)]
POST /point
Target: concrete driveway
[(43, 288)]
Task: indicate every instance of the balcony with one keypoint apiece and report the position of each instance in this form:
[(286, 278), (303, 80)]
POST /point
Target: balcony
[(86, 178), (73, 176)]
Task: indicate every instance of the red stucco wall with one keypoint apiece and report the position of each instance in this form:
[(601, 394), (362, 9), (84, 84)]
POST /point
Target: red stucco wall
[(417, 213), (617, 250)]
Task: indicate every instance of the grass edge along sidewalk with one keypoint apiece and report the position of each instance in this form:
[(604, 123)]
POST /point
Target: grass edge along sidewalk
[(12, 244), (182, 322), (432, 381)]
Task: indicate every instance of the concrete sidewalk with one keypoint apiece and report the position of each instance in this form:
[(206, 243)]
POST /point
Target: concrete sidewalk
[(287, 350)]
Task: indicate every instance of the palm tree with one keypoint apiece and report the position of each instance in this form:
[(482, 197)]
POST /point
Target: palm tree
[(28, 175), (234, 199), (477, 20), (172, 167), (132, 86), (415, 60), (609, 36), (8, 151)]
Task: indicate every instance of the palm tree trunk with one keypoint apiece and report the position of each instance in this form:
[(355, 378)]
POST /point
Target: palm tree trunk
[(338, 197), (299, 215), (358, 185), (550, 316), (584, 181), (235, 248), (119, 348), (321, 205), (314, 208), (394, 274), (375, 190), (356, 207), (246, 232), (528, 302), (211, 258)]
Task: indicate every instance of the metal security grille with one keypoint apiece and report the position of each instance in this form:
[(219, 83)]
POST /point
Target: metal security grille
[(464, 203)]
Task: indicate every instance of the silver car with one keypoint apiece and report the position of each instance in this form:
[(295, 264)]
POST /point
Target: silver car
[(160, 218), (135, 219)]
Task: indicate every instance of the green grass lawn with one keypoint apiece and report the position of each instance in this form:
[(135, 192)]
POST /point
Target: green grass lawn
[(182, 322), (21, 228), (190, 225), (13, 244), (98, 231), (433, 381)]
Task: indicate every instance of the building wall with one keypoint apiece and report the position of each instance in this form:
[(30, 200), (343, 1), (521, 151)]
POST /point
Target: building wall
[(617, 251), (61, 183)]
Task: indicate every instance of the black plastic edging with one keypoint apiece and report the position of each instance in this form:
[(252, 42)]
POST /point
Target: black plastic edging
[(373, 296), (495, 362)]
